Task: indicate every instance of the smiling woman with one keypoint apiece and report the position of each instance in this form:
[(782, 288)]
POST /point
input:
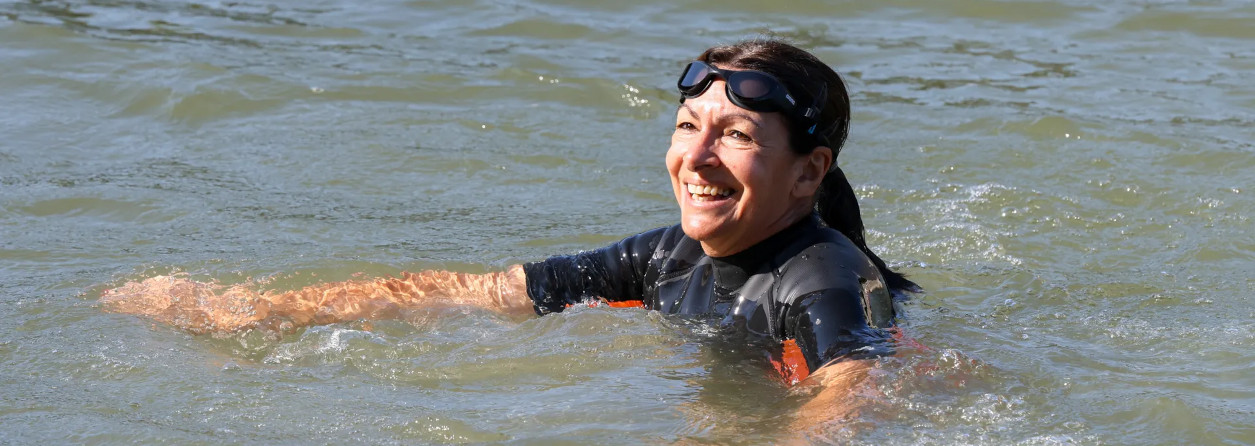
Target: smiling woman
[(770, 241)]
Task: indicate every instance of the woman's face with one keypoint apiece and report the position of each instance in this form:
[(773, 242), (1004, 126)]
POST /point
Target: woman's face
[(733, 174)]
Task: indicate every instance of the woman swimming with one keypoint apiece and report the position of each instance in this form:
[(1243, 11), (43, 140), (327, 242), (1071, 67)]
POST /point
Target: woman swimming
[(770, 241)]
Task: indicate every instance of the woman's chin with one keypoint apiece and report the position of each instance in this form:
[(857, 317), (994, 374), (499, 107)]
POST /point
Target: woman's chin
[(702, 228)]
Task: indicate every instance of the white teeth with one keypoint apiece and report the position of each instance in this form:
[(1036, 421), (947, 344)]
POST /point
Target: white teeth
[(704, 193)]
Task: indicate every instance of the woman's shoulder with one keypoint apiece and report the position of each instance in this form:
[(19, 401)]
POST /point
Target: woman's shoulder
[(654, 245), (833, 269), (664, 237), (826, 259)]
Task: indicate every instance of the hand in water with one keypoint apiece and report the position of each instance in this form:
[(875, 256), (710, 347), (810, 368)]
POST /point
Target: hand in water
[(194, 306)]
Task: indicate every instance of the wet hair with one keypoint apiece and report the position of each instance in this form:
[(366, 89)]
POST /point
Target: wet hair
[(804, 75)]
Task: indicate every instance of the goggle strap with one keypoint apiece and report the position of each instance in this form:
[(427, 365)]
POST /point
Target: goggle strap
[(813, 111)]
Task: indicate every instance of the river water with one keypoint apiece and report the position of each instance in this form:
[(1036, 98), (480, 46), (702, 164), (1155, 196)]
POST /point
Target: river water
[(1069, 180)]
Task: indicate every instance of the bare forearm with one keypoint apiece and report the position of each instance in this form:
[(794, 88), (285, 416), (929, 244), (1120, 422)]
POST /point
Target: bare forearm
[(201, 307), (503, 291), (839, 392)]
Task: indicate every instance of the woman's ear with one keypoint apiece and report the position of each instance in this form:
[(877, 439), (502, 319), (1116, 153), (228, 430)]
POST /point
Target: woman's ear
[(814, 166)]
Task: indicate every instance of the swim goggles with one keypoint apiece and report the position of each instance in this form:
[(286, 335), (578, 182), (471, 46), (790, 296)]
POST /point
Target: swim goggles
[(751, 90)]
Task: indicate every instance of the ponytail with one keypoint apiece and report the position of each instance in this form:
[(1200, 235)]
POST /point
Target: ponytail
[(838, 207)]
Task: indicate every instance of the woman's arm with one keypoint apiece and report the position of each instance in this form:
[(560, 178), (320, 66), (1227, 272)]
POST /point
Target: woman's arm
[(840, 392), (201, 307), (614, 272), (832, 332)]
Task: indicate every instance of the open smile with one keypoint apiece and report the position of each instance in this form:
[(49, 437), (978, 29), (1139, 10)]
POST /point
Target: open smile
[(708, 192)]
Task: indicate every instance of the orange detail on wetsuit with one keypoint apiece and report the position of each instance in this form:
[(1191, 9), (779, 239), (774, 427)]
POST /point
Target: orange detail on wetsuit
[(792, 365), (615, 304)]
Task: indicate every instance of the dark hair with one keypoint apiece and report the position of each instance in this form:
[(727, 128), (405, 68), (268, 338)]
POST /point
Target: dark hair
[(805, 76)]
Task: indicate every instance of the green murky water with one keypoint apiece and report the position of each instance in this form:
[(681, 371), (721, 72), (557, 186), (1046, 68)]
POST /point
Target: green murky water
[(1070, 181)]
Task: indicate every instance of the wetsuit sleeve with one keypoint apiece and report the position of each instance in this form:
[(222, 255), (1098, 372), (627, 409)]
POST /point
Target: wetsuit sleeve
[(615, 272), (832, 323)]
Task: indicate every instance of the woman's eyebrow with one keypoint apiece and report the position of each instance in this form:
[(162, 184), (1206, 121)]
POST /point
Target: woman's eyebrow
[(692, 112), (751, 119)]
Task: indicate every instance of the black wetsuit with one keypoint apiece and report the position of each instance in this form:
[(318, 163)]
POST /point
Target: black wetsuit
[(808, 283)]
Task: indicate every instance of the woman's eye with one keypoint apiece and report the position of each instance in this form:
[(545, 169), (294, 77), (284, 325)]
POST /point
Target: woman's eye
[(685, 126), (737, 135)]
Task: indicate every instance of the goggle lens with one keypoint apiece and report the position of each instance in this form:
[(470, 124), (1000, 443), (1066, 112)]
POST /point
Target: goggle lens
[(748, 88), (695, 73), (750, 85)]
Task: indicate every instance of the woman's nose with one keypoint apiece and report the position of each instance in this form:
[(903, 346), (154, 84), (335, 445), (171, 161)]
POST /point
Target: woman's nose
[(701, 153)]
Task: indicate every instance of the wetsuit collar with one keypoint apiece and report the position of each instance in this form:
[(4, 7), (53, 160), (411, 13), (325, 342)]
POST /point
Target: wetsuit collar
[(732, 271)]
